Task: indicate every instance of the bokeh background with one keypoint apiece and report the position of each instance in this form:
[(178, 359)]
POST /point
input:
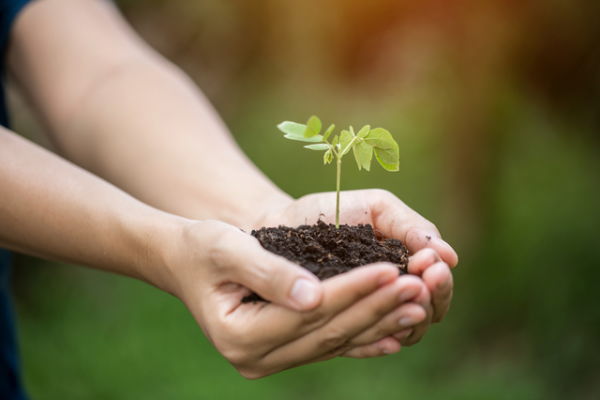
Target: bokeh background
[(496, 106)]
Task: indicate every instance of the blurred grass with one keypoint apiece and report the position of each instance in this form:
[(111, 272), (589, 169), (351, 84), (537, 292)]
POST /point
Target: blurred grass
[(495, 107)]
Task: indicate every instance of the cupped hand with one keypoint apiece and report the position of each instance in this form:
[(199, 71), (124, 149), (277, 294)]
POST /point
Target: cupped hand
[(431, 257), (215, 265)]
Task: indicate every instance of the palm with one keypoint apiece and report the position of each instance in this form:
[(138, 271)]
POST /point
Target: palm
[(392, 218), (355, 208)]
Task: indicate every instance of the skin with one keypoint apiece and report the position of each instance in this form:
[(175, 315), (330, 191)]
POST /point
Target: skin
[(135, 192)]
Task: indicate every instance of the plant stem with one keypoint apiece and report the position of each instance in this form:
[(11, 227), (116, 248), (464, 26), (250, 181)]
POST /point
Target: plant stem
[(347, 148), (337, 192)]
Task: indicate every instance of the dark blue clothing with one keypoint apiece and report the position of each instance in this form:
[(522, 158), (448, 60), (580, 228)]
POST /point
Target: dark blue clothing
[(10, 378)]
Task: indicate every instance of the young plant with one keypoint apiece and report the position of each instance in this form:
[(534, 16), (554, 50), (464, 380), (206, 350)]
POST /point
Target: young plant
[(363, 144)]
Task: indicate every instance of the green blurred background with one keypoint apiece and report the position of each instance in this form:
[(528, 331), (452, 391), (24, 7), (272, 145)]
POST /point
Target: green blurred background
[(496, 106)]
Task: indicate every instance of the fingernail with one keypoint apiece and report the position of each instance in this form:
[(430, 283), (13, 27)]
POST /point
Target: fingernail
[(387, 349), (408, 321), (304, 292)]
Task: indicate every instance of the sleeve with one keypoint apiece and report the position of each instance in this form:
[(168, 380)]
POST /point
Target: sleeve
[(9, 9)]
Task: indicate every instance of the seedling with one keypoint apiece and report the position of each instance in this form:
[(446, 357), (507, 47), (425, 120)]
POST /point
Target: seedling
[(363, 144)]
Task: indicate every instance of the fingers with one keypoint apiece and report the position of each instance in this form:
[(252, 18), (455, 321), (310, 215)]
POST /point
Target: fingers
[(438, 279), (335, 337), (275, 326), (244, 261), (266, 338), (419, 238), (419, 330), (382, 347), (421, 260), (402, 319), (395, 219), (437, 276)]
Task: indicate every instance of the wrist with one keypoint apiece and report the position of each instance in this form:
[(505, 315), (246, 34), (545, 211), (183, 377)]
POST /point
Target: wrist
[(155, 240)]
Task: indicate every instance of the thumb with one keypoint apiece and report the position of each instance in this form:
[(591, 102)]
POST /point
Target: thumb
[(273, 277)]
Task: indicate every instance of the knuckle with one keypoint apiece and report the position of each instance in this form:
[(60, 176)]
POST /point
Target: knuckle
[(430, 255), (333, 339)]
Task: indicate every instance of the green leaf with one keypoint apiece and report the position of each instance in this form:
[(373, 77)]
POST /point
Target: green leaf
[(381, 138), (364, 131), (389, 159), (345, 139), (292, 128), (328, 156), (314, 139), (328, 132), (385, 148), (318, 146), (363, 153), (313, 127), (295, 131)]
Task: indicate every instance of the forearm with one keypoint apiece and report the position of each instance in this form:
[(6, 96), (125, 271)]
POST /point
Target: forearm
[(118, 109), (149, 131), (54, 209)]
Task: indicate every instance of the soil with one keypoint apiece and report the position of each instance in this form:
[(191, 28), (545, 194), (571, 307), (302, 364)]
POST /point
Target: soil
[(327, 251)]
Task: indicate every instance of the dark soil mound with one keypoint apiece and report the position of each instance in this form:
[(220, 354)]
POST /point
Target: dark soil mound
[(326, 251)]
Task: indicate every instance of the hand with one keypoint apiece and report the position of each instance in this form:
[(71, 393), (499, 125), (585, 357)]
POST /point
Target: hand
[(214, 265), (431, 256)]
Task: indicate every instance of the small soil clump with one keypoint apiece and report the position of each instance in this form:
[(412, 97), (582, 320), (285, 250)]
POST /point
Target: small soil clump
[(327, 251)]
